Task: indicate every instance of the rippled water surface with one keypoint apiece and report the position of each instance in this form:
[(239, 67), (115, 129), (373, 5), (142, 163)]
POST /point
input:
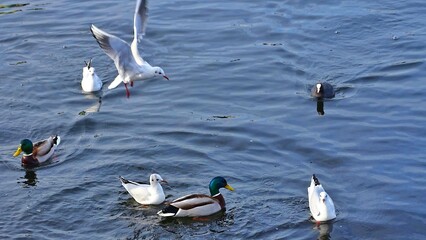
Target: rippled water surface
[(237, 105)]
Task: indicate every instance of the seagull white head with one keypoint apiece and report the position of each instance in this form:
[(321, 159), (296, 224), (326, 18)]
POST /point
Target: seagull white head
[(323, 196), (156, 179), (160, 72), (319, 87), (88, 69)]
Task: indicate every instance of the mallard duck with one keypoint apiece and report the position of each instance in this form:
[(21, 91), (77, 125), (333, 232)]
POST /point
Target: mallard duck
[(322, 90), (146, 194), (198, 205), (320, 204), (130, 65), (90, 82), (36, 153)]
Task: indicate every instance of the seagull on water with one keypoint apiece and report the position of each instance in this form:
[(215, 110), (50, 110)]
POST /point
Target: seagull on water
[(320, 203), (130, 65), (90, 82), (146, 194)]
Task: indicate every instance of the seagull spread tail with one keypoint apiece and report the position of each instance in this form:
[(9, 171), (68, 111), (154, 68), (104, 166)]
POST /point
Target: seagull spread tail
[(116, 82), (315, 180)]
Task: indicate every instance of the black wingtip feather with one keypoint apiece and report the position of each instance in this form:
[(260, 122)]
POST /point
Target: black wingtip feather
[(94, 35), (123, 180), (316, 180), (100, 38)]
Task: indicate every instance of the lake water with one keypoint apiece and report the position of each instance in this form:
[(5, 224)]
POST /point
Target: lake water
[(237, 105)]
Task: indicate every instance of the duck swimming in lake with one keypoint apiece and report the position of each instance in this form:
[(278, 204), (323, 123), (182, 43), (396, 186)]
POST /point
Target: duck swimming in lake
[(90, 82), (320, 203), (323, 90), (146, 194), (198, 205), (37, 153)]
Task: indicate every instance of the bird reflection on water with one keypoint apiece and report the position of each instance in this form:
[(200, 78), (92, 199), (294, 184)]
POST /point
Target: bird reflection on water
[(30, 178), (324, 230), (94, 108), (320, 107)]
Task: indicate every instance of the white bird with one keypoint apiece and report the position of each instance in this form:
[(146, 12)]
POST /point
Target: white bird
[(90, 82), (320, 204), (130, 65), (145, 194)]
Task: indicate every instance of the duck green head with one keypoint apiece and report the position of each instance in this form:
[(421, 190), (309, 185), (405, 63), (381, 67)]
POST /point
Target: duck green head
[(217, 183), (26, 146)]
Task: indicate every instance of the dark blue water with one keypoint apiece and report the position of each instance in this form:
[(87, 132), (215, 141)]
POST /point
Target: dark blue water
[(237, 105)]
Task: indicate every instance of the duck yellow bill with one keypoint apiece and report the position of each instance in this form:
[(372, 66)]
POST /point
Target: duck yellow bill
[(229, 187), (18, 151)]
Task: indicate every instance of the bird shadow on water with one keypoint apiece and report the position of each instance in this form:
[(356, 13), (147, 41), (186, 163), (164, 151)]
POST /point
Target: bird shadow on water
[(29, 179), (145, 223), (324, 230), (320, 107), (95, 107), (217, 223)]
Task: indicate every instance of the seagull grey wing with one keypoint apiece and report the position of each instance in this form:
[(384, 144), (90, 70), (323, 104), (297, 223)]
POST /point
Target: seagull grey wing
[(140, 19), (139, 25), (113, 46)]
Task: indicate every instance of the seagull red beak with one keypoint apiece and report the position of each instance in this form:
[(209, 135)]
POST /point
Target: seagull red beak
[(166, 77)]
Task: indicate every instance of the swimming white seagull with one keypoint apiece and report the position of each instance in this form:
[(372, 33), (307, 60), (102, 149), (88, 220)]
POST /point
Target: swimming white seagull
[(129, 63), (146, 194), (90, 82), (320, 204)]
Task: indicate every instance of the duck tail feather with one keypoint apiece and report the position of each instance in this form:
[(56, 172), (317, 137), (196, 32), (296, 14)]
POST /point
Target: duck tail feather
[(56, 140), (168, 211)]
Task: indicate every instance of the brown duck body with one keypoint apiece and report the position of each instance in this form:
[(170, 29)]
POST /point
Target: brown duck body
[(194, 205), (42, 151), (198, 200), (29, 161), (199, 205)]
